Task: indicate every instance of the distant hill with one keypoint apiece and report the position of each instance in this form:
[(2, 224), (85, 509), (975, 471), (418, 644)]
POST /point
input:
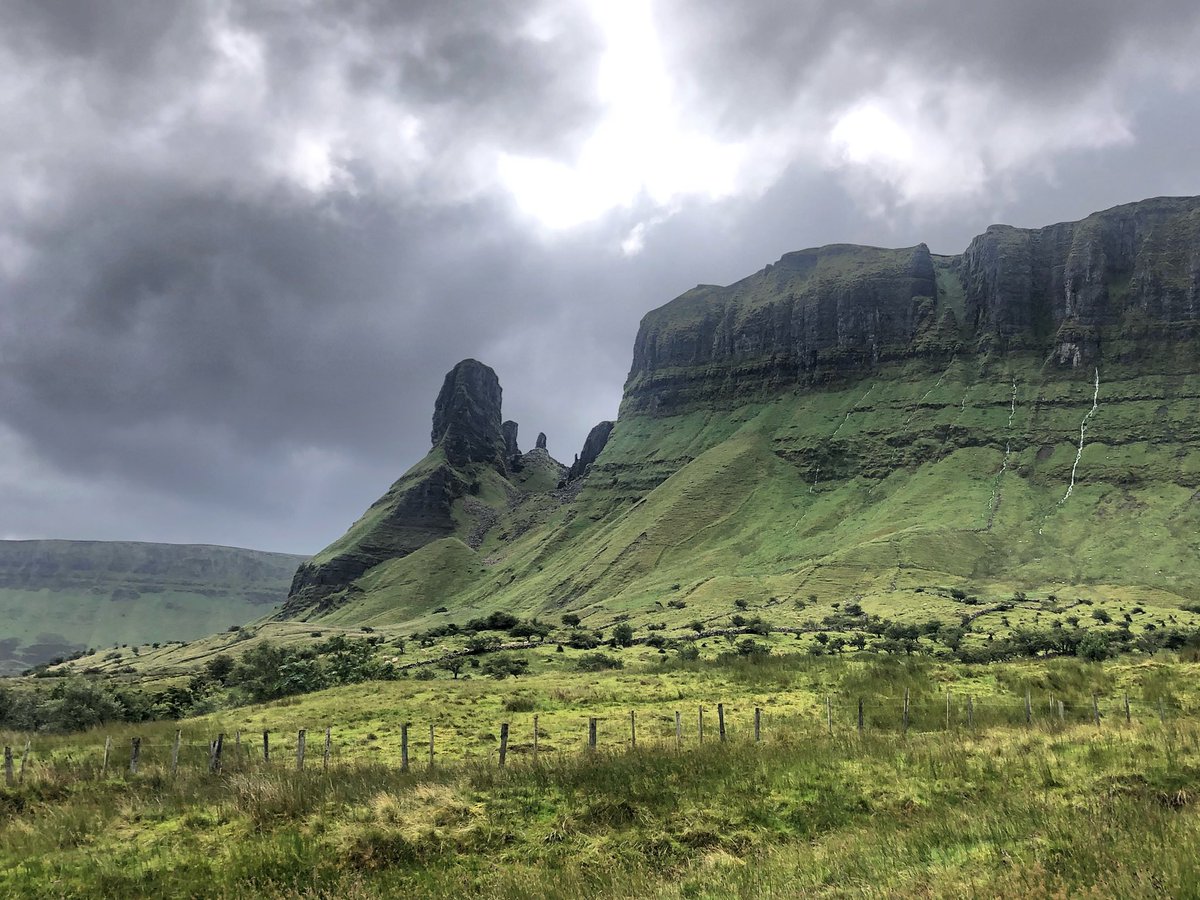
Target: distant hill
[(57, 597)]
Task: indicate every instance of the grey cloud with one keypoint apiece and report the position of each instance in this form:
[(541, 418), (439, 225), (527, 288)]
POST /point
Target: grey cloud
[(744, 61), (199, 349)]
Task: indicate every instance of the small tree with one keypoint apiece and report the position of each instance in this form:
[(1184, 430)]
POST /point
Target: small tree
[(571, 620), (622, 635), (453, 666)]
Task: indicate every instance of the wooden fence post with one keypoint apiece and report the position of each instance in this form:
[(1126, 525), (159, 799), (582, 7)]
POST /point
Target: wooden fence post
[(24, 759), (1062, 712), (678, 730), (8, 767), (431, 745), (1028, 708), (721, 721), (829, 714), (757, 725), (135, 754), (175, 751), (404, 747), (591, 734), (947, 710), (970, 712), (535, 739), (300, 740), (1128, 717), (702, 724), (632, 731), (905, 712), (503, 743), (860, 716), (237, 747), (214, 754), (328, 741), (266, 746), (1096, 710), (107, 750)]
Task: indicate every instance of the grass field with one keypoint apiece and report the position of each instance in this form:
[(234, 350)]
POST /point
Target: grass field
[(1058, 807)]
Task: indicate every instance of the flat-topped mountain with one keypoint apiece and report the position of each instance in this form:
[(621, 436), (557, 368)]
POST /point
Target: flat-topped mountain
[(878, 424), (58, 597)]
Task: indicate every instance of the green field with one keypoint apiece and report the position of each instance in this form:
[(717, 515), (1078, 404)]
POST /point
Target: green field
[(996, 807)]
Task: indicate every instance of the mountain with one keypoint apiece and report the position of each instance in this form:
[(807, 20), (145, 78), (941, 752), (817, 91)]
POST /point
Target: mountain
[(893, 427), (59, 597)]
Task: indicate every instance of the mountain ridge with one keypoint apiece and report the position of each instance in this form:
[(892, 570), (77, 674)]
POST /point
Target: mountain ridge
[(851, 417), (58, 596)]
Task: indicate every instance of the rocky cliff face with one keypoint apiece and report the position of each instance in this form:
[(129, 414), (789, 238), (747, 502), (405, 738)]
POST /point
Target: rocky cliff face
[(467, 437), (593, 445), (473, 471), (1136, 265), (814, 312), (1129, 273), (466, 416)]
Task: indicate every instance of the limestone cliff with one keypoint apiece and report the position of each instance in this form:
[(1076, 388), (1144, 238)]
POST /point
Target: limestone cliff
[(814, 313), (1131, 267)]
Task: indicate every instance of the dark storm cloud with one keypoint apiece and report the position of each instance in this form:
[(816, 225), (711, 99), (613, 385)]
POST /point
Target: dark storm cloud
[(242, 242), (744, 60)]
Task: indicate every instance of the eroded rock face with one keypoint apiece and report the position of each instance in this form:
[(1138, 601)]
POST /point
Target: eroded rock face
[(1131, 267), (592, 447), (417, 509), (466, 416), (1128, 274), (833, 309), (541, 441), (509, 430)]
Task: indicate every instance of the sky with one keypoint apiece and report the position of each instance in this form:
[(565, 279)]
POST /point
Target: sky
[(242, 241)]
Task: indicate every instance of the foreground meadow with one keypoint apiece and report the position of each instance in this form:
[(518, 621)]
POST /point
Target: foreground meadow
[(1006, 799)]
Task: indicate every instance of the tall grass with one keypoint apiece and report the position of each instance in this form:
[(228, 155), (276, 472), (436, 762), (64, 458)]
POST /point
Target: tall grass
[(1006, 811)]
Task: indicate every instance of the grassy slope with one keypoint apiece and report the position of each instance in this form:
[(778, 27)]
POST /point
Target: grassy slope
[(1002, 810), (60, 596), (887, 485)]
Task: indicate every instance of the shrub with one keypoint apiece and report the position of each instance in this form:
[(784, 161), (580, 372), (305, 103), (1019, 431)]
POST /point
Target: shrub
[(531, 629), (584, 640), (1094, 646), (219, 667), (598, 662), (503, 665), (425, 674), (520, 704), (497, 621)]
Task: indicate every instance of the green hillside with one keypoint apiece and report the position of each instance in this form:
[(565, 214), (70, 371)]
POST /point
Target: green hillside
[(884, 427), (887, 491), (60, 597), (1002, 440)]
